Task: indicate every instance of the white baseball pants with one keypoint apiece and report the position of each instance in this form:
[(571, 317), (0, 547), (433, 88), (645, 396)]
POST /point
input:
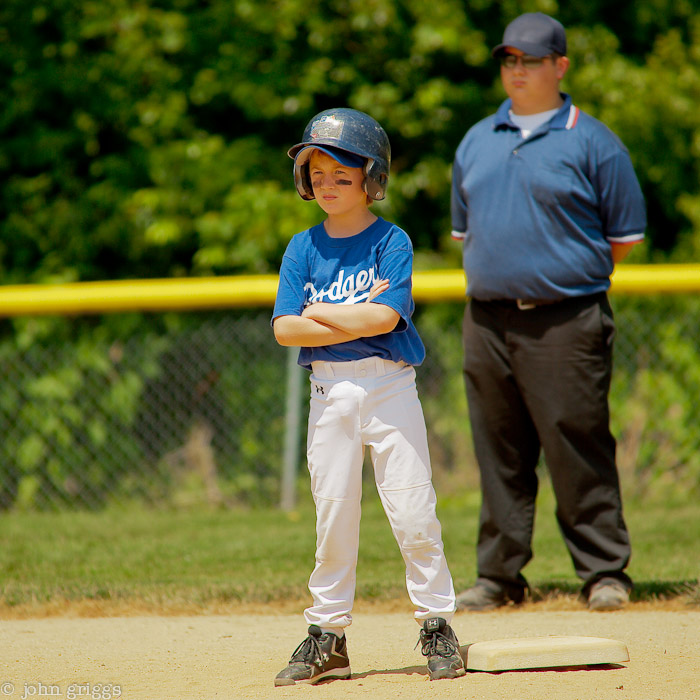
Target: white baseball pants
[(374, 403)]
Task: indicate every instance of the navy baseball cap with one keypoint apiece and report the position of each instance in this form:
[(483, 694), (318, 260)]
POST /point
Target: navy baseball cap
[(349, 160), (534, 33)]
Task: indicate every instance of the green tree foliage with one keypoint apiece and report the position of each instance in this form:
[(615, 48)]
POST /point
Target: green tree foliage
[(147, 138)]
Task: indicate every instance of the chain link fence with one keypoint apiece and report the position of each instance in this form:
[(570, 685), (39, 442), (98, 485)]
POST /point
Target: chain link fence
[(183, 409)]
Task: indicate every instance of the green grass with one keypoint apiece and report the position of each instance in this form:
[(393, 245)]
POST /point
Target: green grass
[(200, 558)]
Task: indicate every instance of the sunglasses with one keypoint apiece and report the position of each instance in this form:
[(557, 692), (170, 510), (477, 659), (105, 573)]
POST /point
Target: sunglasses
[(508, 60)]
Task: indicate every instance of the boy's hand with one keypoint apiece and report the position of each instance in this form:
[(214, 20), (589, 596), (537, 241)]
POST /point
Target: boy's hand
[(377, 288)]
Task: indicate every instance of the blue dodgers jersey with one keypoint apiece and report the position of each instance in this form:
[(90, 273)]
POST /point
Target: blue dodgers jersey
[(318, 268), (538, 215)]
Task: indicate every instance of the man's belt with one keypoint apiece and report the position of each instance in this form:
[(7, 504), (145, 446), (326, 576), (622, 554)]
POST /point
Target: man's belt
[(529, 304), (521, 304)]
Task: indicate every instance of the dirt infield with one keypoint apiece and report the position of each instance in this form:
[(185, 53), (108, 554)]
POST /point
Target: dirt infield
[(237, 654)]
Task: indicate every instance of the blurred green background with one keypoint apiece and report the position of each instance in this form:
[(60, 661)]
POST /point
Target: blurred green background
[(148, 138)]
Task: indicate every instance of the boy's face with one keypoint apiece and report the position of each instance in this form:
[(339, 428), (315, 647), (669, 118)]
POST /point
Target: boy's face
[(337, 188)]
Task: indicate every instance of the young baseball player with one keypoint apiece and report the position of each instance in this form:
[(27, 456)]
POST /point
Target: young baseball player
[(345, 299)]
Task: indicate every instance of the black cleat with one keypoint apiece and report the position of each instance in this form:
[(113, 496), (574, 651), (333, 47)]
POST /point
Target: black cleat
[(318, 657), (440, 645)]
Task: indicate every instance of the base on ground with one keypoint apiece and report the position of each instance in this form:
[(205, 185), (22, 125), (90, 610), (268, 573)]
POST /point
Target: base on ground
[(543, 652)]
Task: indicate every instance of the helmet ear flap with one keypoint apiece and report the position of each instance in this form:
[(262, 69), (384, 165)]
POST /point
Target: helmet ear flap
[(376, 179), (302, 180)]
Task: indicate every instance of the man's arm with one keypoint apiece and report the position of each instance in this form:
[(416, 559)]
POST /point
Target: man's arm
[(621, 250)]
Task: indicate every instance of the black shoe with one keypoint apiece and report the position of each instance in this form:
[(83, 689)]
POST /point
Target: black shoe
[(486, 595), (439, 643), (318, 657)]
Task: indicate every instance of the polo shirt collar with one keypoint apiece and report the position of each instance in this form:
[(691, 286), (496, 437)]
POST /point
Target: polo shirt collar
[(559, 121)]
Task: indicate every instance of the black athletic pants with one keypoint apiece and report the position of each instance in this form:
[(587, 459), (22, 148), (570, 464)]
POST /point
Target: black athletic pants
[(538, 379)]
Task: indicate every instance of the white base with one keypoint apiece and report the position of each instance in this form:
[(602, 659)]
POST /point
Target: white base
[(543, 652)]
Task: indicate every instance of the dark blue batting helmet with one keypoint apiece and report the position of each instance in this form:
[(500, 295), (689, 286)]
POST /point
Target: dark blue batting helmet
[(346, 133)]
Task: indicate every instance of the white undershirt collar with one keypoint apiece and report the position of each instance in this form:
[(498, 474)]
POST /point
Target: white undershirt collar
[(527, 123)]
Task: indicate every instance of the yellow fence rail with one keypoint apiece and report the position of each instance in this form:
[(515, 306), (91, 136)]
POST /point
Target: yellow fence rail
[(195, 293)]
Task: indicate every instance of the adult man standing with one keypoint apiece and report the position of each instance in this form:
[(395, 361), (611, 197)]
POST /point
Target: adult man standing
[(546, 201)]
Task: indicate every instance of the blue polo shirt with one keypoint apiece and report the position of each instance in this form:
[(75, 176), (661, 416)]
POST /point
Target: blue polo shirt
[(538, 215)]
